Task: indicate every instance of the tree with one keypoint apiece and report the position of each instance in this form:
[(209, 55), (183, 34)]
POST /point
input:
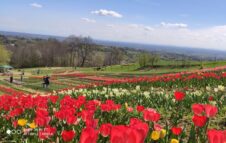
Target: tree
[(153, 58), (143, 59), (113, 57), (71, 44), (85, 50), (4, 55), (146, 59)]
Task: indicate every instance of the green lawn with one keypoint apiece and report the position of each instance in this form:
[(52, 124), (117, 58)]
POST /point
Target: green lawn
[(38, 86), (120, 71), (161, 67)]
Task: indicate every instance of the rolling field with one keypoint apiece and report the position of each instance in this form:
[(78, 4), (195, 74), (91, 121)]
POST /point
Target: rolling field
[(116, 104), (32, 82)]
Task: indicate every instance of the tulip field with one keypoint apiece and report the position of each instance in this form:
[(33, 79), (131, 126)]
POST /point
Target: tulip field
[(185, 107)]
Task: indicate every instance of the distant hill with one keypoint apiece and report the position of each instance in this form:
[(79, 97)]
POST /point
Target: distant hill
[(197, 53), (29, 35), (194, 53)]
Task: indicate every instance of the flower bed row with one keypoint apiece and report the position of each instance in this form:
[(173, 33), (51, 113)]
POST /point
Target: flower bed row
[(10, 91), (172, 79), (70, 75), (135, 116), (169, 108), (105, 79), (78, 119)]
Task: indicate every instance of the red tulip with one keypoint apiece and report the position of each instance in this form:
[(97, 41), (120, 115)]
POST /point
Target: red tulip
[(42, 121), (53, 98), (46, 133), (71, 120), (88, 135), (16, 112), (109, 106), (15, 123), (124, 134), (179, 95), (142, 127), (199, 121), (140, 108), (198, 109), (211, 98), (216, 136), (105, 129), (211, 111), (129, 109), (151, 115), (68, 135), (157, 127), (118, 134), (176, 130), (87, 115), (92, 123)]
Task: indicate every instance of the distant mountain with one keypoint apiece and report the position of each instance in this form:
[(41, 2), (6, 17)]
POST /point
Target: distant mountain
[(32, 36), (195, 53), (199, 53)]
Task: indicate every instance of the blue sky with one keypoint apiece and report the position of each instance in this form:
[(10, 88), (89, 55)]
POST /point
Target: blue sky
[(192, 23)]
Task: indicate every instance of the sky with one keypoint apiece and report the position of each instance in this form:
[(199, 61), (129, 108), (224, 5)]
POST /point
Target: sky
[(190, 23)]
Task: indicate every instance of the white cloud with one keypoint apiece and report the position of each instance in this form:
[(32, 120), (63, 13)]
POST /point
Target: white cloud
[(211, 37), (140, 26), (104, 12), (173, 25), (88, 20), (148, 28), (36, 5)]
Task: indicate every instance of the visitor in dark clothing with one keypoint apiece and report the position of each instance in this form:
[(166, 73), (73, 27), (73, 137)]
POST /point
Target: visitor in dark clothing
[(47, 81), (11, 79), (44, 81)]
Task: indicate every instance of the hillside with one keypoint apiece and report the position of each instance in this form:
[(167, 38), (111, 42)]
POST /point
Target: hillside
[(166, 52)]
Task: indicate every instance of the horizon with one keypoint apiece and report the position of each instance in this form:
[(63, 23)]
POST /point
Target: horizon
[(176, 23), (119, 42)]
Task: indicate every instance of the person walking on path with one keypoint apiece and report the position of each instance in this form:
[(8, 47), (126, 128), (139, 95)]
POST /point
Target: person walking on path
[(47, 81), (22, 76), (44, 82), (11, 78)]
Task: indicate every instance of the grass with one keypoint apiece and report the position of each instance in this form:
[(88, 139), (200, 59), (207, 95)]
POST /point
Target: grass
[(38, 86), (119, 71), (162, 67), (13, 86), (214, 64)]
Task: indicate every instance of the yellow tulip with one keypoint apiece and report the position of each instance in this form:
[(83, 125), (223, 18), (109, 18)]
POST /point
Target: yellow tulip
[(32, 125), (162, 133), (22, 122), (174, 141), (155, 135), (126, 104)]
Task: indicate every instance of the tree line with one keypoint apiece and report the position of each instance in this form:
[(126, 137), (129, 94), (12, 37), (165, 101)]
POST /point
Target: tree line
[(72, 51)]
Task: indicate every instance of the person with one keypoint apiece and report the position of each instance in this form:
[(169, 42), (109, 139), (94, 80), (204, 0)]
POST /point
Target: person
[(44, 82), (47, 81), (38, 71), (11, 78), (21, 76)]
